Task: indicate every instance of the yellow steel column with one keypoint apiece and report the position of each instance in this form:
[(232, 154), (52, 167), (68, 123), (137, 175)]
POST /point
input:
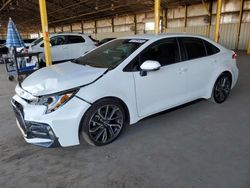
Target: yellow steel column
[(217, 23), (248, 46), (46, 40), (157, 15), (239, 24)]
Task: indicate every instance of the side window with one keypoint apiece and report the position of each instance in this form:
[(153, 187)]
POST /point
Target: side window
[(73, 39), (165, 52), (194, 47), (58, 40), (211, 49)]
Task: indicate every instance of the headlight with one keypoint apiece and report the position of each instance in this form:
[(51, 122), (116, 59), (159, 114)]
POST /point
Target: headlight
[(53, 102)]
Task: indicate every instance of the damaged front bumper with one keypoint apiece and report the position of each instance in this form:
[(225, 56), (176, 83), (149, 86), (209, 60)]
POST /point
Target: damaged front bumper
[(36, 133), (58, 128)]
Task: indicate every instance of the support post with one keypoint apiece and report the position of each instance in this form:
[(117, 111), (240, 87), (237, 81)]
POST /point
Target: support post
[(239, 24), (164, 20), (248, 46), (217, 23), (112, 25), (46, 39), (95, 25), (157, 5), (71, 28), (210, 18), (185, 19), (82, 27), (135, 22)]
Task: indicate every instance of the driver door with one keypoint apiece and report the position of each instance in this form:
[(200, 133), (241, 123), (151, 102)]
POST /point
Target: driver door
[(164, 88)]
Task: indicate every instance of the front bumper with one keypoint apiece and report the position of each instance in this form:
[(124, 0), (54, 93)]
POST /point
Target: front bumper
[(37, 133), (58, 128)]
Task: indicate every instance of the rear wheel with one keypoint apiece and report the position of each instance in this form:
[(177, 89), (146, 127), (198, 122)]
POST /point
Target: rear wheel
[(103, 122), (222, 88)]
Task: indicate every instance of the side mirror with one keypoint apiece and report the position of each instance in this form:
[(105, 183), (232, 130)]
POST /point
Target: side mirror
[(149, 65)]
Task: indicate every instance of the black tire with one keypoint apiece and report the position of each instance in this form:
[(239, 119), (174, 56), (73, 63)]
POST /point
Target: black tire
[(103, 122), (11, 78), (222, 88)]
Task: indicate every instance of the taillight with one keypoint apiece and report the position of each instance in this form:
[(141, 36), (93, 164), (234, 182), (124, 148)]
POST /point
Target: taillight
[(234, 56)]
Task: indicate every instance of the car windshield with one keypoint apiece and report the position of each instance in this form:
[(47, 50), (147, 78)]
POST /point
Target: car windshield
[(111, 54), (37, 41)]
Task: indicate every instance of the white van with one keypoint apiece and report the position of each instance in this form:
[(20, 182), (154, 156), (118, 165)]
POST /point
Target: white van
[(64, 46)]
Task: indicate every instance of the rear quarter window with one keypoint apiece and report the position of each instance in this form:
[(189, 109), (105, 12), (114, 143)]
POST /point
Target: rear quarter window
[(73, 39), (211, 49)]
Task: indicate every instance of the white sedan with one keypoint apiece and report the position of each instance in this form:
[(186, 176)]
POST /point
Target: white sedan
[(120, 83)]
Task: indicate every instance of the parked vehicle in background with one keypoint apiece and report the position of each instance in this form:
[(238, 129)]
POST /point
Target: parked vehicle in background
[(3, 53), (120, 83), (103, 41), (27, 43), (2, 42), (3, 50), (64, 46)]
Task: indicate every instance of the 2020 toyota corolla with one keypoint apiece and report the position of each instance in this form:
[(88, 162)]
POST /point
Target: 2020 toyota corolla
[(120, 83)]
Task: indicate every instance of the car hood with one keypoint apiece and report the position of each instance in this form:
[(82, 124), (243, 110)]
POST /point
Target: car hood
[(60, 77)]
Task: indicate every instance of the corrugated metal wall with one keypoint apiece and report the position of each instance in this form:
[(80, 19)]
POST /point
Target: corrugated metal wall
[(244, 34), (228, 34), (197, 23)]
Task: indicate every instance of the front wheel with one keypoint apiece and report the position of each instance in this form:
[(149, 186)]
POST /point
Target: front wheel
[(222, 88), (103, 122)]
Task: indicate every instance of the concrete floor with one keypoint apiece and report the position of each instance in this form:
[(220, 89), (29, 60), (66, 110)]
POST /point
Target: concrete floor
[(203, 145)]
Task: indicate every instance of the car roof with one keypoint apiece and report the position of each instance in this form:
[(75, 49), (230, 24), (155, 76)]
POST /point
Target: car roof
[(67, 33), (160, 36)]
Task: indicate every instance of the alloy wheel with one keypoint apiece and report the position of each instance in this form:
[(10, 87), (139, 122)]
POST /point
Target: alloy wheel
[(106, 123), (222, 89)]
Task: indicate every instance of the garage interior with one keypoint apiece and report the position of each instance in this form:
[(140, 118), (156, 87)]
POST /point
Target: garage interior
[(112, 18), (197, 145)]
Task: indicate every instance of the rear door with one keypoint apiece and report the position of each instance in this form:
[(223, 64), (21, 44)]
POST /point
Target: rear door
[(59, 48), (76, 46), (200, 65)]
